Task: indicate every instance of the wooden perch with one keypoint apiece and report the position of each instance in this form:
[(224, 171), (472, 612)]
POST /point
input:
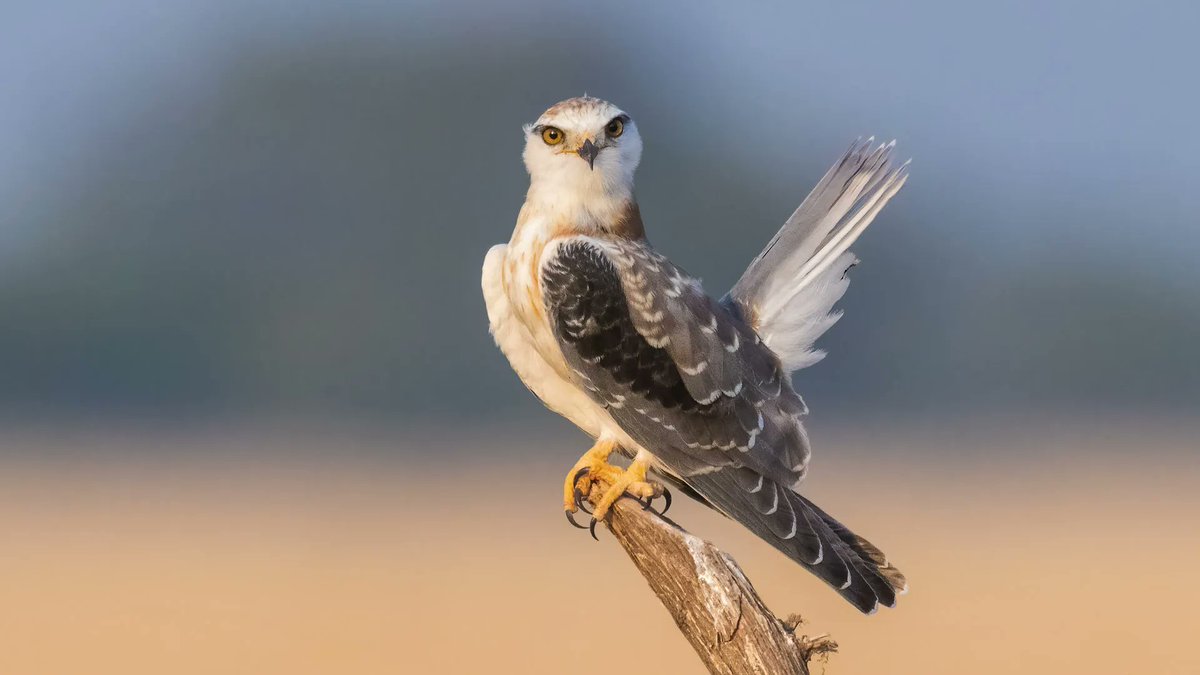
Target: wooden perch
[(710, 598)]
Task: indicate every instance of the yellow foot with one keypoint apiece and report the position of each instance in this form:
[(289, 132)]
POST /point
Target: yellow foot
[(593, 468)]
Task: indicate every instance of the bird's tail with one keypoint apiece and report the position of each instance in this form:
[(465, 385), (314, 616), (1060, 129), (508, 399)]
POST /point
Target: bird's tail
[(851, 565), (788, 291)]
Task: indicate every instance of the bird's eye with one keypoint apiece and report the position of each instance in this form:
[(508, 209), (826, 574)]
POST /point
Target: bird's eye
[(552, 136), (615, 128)]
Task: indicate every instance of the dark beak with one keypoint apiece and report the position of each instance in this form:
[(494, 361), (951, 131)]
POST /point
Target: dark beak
[(588, 151)]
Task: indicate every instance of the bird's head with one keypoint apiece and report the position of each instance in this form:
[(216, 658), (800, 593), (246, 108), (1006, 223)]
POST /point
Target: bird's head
[(583, 144)]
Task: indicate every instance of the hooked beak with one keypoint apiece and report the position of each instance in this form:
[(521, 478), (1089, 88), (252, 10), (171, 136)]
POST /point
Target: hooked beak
[(588, 151)]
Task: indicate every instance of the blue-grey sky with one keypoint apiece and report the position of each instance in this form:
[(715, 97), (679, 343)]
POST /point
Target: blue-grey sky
[(194, 196), (1032, 99)]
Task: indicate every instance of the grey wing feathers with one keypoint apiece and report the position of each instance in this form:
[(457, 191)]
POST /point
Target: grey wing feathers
[(636, 331), (696, 376), (672, 312)]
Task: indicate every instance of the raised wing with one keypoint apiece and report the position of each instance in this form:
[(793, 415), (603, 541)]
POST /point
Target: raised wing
[(693, 384)]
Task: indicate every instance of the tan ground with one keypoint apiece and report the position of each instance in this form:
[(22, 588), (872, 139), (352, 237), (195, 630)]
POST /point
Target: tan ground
[(1070, 551)]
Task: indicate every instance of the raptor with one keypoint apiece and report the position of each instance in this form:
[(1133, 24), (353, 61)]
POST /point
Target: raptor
[(694, 391)]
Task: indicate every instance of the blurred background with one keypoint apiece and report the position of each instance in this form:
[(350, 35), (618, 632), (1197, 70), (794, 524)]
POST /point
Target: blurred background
[(251, 419)]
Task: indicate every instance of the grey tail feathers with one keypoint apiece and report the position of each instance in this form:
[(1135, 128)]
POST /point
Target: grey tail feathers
[(788, 291), (802, 531)]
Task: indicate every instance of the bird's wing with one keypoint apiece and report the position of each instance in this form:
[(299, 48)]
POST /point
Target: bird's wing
[(644, 339), (693, 384)]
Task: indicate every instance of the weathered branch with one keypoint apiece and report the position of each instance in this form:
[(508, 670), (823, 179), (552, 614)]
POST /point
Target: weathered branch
[(710, 598)]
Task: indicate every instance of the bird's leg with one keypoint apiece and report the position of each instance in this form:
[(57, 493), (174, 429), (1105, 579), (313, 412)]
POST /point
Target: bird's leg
[(592, 466), (593, 469), (631, 481)]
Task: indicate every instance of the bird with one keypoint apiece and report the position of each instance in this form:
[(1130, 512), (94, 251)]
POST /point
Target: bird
[(693, 391)]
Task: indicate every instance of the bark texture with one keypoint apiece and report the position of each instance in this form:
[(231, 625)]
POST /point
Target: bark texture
[(711, 600)]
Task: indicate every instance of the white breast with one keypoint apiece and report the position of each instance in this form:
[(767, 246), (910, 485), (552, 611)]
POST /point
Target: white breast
[(530, 346)]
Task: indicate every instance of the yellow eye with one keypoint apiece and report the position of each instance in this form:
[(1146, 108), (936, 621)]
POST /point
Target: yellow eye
[(615, 128), (552, 136)]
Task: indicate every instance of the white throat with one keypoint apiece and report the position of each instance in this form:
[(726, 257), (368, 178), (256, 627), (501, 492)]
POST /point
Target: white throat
[(586, 201)]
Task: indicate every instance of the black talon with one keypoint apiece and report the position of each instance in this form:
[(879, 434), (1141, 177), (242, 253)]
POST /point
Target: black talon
[(571, 520), (582, 502), (592, 529), (581, 499), (650, 500), (580, 474)]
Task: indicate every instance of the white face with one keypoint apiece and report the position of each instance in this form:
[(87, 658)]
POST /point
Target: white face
[(583, 144)]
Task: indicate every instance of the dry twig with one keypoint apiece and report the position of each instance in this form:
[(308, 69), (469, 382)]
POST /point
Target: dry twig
[(711, 600)]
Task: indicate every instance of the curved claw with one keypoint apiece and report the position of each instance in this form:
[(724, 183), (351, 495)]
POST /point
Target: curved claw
[(666, 495), (592, 529), (580, 474), (571, 520), (583, 504), (580, 498)]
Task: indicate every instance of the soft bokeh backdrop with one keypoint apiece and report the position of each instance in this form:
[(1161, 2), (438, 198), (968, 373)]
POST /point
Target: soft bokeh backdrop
[(250, 416)]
